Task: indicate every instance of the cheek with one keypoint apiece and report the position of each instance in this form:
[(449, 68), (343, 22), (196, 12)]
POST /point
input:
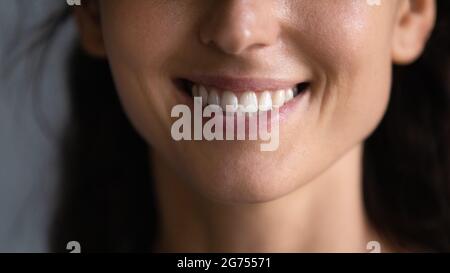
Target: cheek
[(132, 30), (349, 47), (138, 48)]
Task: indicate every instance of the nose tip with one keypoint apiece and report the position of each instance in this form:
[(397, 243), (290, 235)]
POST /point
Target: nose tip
[(240, 26)]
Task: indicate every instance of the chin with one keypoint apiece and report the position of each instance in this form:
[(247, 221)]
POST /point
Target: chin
[(248, 183)]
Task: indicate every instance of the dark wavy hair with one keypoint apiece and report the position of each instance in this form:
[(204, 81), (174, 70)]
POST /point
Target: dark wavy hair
[(107, 200)]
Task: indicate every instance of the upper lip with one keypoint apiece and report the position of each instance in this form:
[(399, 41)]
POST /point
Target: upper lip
[(241, 84)]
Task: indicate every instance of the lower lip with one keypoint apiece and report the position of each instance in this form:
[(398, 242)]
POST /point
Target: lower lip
[(284, 111)]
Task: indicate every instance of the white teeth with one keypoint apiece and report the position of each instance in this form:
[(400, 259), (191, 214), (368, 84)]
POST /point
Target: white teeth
[(249, 101), (265, 101), (289, 95), (278, 98), (195, 91), (204, 94), (229, 101), (213, 97)]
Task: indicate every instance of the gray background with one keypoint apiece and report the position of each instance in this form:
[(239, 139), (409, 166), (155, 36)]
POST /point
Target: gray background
[(28, 145)]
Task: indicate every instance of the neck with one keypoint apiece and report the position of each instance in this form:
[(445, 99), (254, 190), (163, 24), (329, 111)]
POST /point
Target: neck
[(326, 215)]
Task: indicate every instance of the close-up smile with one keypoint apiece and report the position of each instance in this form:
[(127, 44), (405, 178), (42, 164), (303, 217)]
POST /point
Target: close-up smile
[(247, 95), (233, 126)]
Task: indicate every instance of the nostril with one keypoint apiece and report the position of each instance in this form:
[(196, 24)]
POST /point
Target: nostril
[(240, 26), (228, 45)]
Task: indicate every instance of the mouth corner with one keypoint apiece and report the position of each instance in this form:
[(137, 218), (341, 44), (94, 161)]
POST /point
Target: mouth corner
[(302, 87), (184, 85)]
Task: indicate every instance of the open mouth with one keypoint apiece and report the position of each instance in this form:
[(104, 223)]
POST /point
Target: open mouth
[(249, 101)]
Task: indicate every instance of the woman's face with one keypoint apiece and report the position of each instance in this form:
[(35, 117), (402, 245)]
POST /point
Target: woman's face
[(342, 51)]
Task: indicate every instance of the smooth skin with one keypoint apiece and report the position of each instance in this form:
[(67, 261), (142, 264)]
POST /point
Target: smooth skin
[(228, 195)]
